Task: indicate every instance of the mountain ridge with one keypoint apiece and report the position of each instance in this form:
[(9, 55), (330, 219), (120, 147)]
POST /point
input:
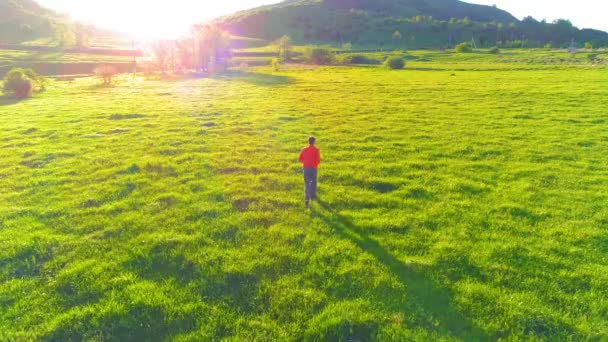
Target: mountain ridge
[(421, 23)]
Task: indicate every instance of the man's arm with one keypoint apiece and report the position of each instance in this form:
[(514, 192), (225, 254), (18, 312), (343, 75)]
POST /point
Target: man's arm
[(301, 157), (318, 157)]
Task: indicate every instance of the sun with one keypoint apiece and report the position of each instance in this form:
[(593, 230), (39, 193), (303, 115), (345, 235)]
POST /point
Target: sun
[(155, 23), (144, 20), (149, 28)]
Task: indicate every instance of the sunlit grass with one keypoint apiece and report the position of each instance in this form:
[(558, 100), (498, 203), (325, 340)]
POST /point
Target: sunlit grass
[(455, 205)]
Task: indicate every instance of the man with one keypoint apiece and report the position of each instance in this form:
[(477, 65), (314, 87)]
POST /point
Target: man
[(310, 157)]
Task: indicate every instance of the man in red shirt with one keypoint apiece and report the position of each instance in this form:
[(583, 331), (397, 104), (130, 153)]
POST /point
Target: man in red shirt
[(310, 157)]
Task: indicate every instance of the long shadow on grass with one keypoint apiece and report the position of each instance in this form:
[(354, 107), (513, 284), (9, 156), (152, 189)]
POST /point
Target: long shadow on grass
[(433, 302), (254, 78), (7, 101)]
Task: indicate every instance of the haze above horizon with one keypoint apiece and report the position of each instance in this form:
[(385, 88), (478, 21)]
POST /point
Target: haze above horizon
[(146, 19)]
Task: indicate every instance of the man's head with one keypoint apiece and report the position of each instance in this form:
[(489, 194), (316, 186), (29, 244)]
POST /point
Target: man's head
[(312, 140)]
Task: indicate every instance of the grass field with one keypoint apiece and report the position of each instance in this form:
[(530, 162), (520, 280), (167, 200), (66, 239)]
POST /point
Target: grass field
[(455, 205)]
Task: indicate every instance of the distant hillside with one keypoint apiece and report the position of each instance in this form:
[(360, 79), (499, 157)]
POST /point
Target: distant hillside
[(22, 20), (421, 23), (19, 9)]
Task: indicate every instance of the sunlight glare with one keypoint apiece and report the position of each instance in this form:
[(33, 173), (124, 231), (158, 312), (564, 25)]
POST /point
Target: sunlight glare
[(147, 20)]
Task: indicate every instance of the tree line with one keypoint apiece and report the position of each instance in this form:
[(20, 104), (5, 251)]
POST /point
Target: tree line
[(206, 49), (366, 28)]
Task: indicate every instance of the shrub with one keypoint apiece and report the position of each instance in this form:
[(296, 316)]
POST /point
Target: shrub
[(361, 59), (395, 63), (344, 59), (495, 50), (39, 82), (464, 47), (347, 59), (548, 46), (16, 83), (319, 56), (106, 73), (21, 83), (588, 46)]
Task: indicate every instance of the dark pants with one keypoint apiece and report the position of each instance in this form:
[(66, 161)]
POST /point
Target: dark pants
[(310, 183)]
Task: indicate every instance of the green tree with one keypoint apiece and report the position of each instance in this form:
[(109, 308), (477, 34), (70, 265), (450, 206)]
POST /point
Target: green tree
[(82, 34), (65, 36), (512, 27), (284, 48), (563, 29), (212, 46), (588, 46), (499, 28), (185, 53), (163, 51)]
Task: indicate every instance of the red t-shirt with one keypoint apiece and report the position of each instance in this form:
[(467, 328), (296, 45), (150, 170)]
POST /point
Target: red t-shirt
[(310, 157)]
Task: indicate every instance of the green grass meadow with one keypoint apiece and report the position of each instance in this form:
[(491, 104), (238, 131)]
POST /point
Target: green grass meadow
[(458, 202)]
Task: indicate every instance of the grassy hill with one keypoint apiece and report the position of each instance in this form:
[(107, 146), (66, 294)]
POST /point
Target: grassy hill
[(22, 9), (23, 20), (462, 200), (422, 23)]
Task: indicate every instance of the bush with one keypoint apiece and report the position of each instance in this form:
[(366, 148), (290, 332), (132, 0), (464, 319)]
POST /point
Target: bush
[(495, 50), (347, 59), (361, 59), (21, 83), (464, 47), (395, 63), (106, 73), (344, 59), (319, 56), (588, 46), (548, 46)]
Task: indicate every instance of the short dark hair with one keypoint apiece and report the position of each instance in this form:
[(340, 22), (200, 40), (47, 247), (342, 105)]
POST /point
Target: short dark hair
[(312, 140)]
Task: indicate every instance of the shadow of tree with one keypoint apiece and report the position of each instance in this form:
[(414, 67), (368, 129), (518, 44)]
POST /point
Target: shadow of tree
[(254, 78), (9, 100), (139, 322), (101, 85), (431, 302)]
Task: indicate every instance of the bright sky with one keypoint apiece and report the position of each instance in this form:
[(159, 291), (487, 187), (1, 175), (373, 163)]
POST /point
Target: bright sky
[(149, 18), (582, 13), (158, 18)]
